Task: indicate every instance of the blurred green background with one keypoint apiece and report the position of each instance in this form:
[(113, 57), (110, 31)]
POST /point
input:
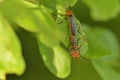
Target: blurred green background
[(85, 12)]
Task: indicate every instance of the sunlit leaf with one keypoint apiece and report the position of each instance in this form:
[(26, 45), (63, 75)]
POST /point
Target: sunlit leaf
[(20, 14), (34, 20), (103, 10), (11, 60), (49, 33), (56, 60)]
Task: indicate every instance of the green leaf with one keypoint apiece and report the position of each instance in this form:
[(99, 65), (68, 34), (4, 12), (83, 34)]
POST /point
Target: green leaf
[(11, 60), (24, 17), (101, 43), (49, 34), (56, 60), (103, 10), (66, 3), (110, 42), (109, 39), (63, 26), (81, 37), (105, 71), (49, 4), (34, 20)]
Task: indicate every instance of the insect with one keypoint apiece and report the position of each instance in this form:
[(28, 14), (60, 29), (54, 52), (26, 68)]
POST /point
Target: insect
[(74, 49)]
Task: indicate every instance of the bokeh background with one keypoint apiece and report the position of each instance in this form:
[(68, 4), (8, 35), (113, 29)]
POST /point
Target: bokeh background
[(80, 70)]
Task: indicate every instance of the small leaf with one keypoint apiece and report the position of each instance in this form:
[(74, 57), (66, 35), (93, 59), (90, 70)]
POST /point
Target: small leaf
[(105, 71), (56, 60), (11, 60), (103, 10)]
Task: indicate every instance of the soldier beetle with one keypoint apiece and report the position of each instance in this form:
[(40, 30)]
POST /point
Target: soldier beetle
[(74, 49)]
